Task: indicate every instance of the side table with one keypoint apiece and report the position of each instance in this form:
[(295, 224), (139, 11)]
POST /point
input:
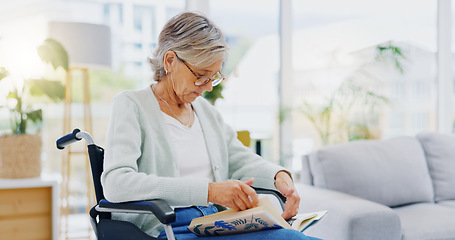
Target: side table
[(28, 209)]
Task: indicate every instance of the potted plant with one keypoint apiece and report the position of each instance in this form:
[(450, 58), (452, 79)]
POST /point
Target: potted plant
[(350, 112), (20, 148), (215, 94)]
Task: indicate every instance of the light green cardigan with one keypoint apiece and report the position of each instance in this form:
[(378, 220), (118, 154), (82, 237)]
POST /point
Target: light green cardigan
[(140, 164)]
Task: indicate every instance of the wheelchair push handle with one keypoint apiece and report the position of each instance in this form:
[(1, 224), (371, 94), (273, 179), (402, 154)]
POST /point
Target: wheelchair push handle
[(68, 139), (75, 136)]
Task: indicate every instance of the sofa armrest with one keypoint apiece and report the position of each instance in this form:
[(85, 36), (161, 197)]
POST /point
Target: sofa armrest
[(348, 217)]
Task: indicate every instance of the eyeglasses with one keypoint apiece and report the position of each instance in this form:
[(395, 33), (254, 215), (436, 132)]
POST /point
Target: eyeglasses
[(202, 80)]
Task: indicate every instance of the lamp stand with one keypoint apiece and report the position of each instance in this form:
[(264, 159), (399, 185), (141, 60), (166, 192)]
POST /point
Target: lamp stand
[(66, 163)]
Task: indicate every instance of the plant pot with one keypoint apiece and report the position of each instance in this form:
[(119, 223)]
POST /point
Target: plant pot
[(20, 156)]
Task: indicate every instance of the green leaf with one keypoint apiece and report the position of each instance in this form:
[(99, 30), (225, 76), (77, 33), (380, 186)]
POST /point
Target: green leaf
[(51, 51), (3, 73), (12, 95), (53, 89), (213, 95), (35, 116), (391, 53)]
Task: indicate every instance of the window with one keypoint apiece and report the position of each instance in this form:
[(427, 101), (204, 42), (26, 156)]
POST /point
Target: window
[(106, 12), (138, 15), (419, 89), (453, 77), (143, 18), (396, 121), (398, 90), (251, 93), (419, 122), (379, 57)]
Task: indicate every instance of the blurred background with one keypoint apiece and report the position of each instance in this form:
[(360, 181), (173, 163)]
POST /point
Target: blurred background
[(302, 73)]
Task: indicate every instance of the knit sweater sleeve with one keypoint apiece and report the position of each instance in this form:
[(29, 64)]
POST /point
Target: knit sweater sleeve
[(138, 164)]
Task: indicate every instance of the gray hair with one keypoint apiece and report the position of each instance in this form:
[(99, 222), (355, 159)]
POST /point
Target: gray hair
[(194, 38)]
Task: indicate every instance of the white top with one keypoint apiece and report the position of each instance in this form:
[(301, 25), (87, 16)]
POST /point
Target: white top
[(192, 157)]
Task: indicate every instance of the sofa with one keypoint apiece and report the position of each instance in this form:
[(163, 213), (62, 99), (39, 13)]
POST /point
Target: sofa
[(399, 188)]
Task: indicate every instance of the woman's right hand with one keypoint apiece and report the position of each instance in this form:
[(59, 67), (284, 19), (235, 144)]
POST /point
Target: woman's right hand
[(234, 194)]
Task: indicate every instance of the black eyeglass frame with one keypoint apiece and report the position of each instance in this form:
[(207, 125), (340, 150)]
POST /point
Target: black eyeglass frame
[(202, 80)]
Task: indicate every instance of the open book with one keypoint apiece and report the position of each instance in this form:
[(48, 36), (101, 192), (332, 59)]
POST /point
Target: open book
[(264, 216)]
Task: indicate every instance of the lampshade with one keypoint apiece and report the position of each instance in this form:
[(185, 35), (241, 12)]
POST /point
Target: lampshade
[(88, 45)]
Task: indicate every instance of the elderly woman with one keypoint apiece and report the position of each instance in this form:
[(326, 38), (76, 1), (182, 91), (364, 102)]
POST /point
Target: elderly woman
[(166, 142)]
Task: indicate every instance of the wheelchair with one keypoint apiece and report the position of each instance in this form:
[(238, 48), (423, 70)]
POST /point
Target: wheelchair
[(106, 228)]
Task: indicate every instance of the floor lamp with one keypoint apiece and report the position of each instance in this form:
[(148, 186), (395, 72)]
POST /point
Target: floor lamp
[(88, 47)]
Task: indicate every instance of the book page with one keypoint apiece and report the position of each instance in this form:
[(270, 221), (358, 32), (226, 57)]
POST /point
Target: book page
[(275, 202), (303, 221)]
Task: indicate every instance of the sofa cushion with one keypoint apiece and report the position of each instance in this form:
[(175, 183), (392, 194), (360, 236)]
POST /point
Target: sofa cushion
[(391, 172), (305, 173), (440, 154), (348, 217), (449, 203), (425, 221)]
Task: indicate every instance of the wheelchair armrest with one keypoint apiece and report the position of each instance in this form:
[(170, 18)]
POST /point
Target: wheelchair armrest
[(163, 212), (281, 198)]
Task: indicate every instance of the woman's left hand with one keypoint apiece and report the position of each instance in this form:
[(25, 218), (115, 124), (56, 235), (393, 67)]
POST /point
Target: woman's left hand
[(285, 185)]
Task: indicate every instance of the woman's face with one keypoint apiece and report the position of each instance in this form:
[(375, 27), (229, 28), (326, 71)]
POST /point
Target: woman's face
[(183, 79)]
